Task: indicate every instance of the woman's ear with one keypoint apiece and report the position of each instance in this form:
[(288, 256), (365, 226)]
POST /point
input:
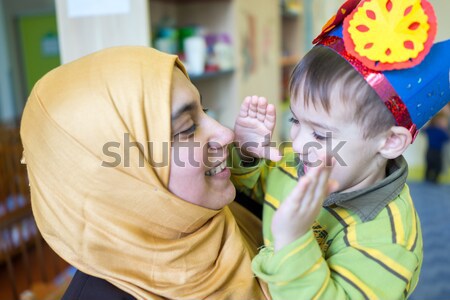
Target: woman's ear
[(397, 140)]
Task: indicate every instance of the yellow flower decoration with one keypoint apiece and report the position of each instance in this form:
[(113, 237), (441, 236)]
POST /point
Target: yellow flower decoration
[(388, 34)]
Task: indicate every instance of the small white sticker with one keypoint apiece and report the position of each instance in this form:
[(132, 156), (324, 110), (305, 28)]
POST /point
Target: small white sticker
[(87, 8)]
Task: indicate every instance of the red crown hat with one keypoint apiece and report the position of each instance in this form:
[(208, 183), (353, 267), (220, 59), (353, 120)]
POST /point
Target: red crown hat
[(390, 43)]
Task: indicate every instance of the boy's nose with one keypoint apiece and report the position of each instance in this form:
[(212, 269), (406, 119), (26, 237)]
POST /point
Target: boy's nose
[(299, 140)]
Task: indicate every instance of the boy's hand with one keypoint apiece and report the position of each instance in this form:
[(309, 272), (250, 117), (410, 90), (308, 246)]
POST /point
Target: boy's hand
[(298, 212), (254, 127)]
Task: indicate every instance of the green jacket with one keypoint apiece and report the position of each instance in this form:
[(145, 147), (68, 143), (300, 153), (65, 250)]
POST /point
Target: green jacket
[(364, 245)]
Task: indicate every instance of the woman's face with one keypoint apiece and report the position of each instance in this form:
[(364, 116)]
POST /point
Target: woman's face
[(199, 150)]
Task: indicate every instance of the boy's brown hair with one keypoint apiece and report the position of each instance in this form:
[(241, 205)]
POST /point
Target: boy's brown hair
[(319, 73)]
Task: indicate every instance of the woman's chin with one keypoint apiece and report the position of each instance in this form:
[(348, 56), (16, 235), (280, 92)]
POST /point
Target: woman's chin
[(226, 196)]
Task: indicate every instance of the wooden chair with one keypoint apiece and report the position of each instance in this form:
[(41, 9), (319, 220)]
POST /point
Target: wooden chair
[(30, 264)]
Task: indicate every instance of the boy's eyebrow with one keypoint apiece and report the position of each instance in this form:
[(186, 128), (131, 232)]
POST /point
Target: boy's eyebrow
[(323, 126), (335, 130)]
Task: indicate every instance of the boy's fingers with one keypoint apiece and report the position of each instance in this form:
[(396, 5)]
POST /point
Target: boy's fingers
[(333, 186), (262, 105), (296, 196), (271, 110), (322, 183), (274, 154), (253, 107), (270, 119), (245, 107), (321, 189), (310, 194), (262, 102), (254, 101)]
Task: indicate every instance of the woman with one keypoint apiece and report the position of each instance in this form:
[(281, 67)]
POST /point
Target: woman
[(109, 198)]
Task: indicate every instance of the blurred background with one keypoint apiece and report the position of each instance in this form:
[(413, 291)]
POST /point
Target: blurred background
[(231, 48)]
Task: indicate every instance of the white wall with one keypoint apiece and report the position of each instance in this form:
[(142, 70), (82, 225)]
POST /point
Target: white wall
[(324, 9), (15, 79), (79, 36), (258, 26), (442, 9)]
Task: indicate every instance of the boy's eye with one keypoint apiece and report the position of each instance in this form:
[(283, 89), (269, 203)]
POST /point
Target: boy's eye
[(205, 110), (294, 121), (319, 137)]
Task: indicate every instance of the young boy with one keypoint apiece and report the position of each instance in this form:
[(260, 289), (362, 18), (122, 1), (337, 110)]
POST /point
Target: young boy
[(363, 241)]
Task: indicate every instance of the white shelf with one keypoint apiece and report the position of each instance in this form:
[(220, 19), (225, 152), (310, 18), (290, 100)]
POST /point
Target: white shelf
[(211, 75)]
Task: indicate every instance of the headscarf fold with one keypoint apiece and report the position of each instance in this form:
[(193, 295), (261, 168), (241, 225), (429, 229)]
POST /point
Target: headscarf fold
[(118, 221)]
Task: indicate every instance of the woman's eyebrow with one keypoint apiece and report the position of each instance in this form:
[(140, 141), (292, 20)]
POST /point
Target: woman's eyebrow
[(185, 108)]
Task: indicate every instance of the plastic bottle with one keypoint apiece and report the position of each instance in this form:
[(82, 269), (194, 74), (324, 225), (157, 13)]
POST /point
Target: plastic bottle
[(223, 52)]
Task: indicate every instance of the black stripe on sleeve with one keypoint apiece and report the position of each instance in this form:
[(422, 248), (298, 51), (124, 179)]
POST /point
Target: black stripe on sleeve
[(331, 211), (347, 243), (391, 219), (269, 204), (393, 272), (352, 284), (413, 247), (287, 173)]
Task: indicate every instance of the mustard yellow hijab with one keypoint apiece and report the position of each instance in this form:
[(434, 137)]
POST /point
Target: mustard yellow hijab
[(121, 223)]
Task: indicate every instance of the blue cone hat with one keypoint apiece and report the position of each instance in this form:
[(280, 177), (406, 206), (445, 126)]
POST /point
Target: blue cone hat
[(425, 88), (414, 90)]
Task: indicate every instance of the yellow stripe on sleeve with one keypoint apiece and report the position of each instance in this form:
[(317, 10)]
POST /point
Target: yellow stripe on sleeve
[(290, 170), (311, 270), (379, 257), (272, 201), (324, 285), (354, 281), (413, 234), (398, 223), (298, 249), (345, 216)]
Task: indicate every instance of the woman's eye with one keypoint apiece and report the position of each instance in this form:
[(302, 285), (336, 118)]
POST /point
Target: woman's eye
[(319, 137), (189, 131), (294, 121), (205, 110)]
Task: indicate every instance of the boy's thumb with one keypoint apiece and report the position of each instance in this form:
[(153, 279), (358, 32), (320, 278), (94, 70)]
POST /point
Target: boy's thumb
[(274, 154), (333, 186)]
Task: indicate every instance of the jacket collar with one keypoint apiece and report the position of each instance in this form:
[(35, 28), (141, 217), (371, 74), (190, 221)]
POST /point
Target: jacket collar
[(367, 203)]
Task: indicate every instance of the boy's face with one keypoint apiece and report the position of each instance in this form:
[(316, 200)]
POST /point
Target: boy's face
[(316, 133)]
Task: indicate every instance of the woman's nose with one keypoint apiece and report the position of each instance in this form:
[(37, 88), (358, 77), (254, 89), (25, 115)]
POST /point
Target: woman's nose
[(221, 136)]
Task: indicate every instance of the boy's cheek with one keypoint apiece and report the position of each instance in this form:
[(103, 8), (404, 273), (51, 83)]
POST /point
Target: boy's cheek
[(293, 132), (338, 150)]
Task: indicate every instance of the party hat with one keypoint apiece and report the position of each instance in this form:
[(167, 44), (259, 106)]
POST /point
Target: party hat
[(390, 43)]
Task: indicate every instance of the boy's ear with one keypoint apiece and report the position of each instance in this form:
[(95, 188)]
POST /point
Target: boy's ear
[(396, 141)]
